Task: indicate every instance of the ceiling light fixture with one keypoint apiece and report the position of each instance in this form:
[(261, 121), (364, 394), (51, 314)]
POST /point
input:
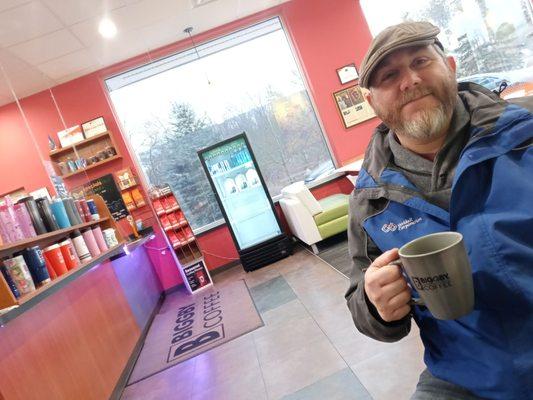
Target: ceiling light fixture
[(107, 28), (198, 3)]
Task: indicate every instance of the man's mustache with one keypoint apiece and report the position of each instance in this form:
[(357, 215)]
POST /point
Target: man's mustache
[(413, 94)]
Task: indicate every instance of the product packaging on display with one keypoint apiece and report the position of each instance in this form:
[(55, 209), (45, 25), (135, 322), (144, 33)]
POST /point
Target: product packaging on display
[(110, 237), (36, 264), (70, 136), (52, 254), (79, 245), (90, 241), (18, 270), (9, 281), (69, 254)]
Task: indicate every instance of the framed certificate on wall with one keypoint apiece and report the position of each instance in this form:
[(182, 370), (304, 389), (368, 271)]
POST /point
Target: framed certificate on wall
[(352, 106), (347, 73)]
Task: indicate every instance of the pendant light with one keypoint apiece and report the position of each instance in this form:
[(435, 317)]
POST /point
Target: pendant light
[(188, 31)]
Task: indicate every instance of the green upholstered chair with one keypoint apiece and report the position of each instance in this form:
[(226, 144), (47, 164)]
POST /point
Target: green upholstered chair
[(312, 220)]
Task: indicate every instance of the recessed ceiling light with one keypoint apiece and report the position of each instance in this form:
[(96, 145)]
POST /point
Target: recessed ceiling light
[(107, 28)]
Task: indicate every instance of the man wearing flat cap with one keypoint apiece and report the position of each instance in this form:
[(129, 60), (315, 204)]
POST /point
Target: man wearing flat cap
[(447, 157)]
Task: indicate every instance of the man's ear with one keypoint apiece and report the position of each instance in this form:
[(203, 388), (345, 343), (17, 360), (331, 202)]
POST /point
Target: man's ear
[(368, 96), (451, 63)]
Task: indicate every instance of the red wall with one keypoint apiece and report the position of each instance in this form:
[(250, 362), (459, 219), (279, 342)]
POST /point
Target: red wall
[(20, 162), (326, 35)]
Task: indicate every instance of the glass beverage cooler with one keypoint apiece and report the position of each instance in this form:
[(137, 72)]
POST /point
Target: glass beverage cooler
[(245, 202)]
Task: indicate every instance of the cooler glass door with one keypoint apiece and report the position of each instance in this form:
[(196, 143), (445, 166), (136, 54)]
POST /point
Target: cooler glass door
[(246, 205)]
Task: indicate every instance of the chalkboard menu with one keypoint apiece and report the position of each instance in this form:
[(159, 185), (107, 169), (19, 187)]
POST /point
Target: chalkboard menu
[(106, 187)]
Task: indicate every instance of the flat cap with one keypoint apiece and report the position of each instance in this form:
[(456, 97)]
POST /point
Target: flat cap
[(395, 37)]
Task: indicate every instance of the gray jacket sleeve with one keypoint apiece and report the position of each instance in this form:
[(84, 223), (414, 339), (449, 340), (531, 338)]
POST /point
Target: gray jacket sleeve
[(362, 252)]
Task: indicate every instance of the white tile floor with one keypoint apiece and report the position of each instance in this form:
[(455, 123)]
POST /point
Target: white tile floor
[(308, 348)]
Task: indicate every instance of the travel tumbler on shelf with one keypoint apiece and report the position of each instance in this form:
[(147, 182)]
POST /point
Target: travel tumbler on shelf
[(36, 219), (93, 210), (36, 264), (86, 213), (60, 213), (77, 209), (5, 225), (72, 211), (99, 237), (46, 213), (10, 226), (81, 213), (54, 256), (69, 254), (18, 270), (90, 241), (50, 269), (81, 248), (9, 281), (24, 220), (110, 237)]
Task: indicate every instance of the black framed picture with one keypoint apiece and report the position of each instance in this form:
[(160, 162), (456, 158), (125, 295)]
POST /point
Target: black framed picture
[(352, 106)]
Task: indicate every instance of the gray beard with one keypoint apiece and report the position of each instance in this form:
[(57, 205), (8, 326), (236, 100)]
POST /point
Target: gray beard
[(426, 125)]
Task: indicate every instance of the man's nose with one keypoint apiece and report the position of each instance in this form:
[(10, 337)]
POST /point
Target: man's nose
[(409, 80)]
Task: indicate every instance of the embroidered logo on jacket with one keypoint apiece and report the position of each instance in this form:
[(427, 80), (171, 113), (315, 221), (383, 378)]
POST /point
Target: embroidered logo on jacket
[(390, 227), (406, 223)]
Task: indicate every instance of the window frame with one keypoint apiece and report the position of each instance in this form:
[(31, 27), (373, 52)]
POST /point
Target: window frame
[(188, 49)]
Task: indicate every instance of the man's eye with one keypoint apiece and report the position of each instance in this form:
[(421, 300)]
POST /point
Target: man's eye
[(387, 75), (421, 61)]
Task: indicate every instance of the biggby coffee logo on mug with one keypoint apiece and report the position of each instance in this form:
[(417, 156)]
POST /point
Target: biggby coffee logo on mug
[(432, 282)]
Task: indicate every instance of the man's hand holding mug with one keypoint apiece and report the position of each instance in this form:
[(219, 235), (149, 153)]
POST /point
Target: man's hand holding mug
[(386, 287), (437, 266)]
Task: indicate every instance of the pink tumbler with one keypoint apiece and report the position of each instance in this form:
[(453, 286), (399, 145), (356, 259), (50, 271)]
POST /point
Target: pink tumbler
[(90, 241), (24, 220), (100, 241)]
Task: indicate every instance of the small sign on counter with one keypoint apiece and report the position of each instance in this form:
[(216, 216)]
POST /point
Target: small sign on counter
[(197, 275)]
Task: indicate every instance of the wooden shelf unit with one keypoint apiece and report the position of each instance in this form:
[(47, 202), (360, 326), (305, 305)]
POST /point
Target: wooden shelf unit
[(89, 167), (39, 291), (86, 148), (85, 142), (30, 300), (44, 239), (137, 186), (7, 299)]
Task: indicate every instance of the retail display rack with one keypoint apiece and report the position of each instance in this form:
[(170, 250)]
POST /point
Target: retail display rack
[(134, 198), (180, 235), (85, 155), (27, 301)]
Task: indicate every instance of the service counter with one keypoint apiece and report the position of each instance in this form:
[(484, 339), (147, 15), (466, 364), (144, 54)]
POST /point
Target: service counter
[(75, 342)]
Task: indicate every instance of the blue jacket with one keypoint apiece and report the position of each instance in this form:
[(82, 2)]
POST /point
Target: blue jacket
[(489, 351)]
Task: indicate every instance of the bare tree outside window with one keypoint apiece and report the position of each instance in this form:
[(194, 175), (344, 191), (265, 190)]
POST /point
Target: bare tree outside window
[(491, 40), (253, 87)]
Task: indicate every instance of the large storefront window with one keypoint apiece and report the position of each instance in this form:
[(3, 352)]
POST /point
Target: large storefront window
[(491, 40), (244, 82)]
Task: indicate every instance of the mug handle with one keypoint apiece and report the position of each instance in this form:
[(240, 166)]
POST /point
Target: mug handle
[(415, 301)]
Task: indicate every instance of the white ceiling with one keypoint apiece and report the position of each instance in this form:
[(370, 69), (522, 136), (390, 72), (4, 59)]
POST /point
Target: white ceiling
[(47, 42)]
